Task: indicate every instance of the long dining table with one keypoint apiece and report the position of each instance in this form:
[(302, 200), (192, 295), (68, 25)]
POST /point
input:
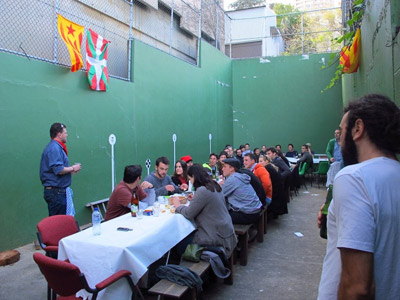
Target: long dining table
[(294, 160), (135, 250)]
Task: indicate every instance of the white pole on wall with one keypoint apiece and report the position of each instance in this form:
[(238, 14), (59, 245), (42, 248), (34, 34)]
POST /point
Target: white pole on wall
[(210, 138), (112, 140), (174, 141)]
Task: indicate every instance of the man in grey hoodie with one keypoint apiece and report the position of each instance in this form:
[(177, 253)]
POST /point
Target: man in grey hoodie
[(161, 181), (243, 203)]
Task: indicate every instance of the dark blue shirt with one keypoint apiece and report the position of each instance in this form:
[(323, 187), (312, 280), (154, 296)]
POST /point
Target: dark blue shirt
[(291, 153), (52, 163)]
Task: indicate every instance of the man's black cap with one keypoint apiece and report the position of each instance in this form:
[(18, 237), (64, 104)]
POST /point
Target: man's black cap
[(233, 162)]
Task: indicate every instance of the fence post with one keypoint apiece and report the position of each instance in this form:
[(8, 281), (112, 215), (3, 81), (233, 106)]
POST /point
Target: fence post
[(55, 33), (199, 37), (172, 27), (130, 39), (230, 37), (216, 27), (302, 33)]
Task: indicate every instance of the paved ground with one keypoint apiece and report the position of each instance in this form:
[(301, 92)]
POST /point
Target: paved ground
[(284, 267)]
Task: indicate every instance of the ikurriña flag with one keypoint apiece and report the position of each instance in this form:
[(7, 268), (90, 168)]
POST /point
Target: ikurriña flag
[(71, 33), (350, 55), (96, 61)]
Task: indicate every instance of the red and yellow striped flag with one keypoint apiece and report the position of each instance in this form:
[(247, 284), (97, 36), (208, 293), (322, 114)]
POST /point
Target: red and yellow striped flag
[(71, 34), (350, 55)]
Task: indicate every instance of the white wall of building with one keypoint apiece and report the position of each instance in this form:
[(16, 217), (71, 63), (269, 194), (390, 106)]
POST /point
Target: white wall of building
[(251, 25)]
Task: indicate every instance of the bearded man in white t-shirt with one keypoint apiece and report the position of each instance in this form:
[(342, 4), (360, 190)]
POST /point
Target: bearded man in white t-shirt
[(363, 252)]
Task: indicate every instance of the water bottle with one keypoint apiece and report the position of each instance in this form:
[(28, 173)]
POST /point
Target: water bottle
[(96, 220), (156, 209)]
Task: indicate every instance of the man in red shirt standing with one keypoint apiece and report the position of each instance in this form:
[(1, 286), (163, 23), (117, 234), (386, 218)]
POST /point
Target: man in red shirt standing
[(129, 191)]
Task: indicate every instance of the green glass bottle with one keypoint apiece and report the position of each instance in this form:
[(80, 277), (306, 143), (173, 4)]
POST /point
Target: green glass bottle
[(323, 231)]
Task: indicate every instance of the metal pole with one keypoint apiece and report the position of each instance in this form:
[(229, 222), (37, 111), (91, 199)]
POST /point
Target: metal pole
[(302, 34), (199, 37), (112, 140), (216, 27), (130, 40), (230, 37), (55, 33), (210, 138), (174, 141), (264, 43), (171, 28)]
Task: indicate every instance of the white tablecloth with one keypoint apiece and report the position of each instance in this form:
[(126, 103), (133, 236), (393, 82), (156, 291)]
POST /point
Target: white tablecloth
[(100, 256), (315, 160)]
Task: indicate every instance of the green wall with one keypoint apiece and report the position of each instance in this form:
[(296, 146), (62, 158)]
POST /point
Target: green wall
[(279, 101), (166, 96), (275, 102), (379, 70)]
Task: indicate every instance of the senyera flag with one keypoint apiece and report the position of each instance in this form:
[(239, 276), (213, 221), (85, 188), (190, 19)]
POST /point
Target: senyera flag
[(72, 34), (350, 55), (96, 61)]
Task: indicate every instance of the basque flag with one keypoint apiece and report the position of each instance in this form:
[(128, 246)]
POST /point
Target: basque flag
[(96, 61)]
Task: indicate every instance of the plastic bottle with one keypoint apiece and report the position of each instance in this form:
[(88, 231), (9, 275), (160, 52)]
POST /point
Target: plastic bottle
[(96, 221), (156, 209)]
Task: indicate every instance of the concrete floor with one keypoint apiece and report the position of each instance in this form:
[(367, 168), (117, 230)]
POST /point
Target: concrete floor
[(284, 267)]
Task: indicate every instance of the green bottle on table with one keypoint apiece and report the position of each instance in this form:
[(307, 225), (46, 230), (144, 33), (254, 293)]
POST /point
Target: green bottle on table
[(323, 231)]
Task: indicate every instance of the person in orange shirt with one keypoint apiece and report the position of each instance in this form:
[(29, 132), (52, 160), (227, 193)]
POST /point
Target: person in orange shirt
[(262, 174)]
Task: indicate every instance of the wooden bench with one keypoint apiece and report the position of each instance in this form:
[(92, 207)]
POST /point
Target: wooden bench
[(260, 226), (168, 288), (99, 204), (243, 241), (242, 231), (265, 220)]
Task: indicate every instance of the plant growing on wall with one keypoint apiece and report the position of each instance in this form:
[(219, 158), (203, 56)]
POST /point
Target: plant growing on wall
[(354, 23)]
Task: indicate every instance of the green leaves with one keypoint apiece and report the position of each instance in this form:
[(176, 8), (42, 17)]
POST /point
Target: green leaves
[(355, 22)]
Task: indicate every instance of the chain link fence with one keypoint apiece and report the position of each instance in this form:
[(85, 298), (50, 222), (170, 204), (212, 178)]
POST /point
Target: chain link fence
[(173, 26), (31, 30), (283, 34)]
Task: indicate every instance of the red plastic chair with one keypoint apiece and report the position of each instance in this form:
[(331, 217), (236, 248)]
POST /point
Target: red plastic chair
[(52, 229), (65, 279)]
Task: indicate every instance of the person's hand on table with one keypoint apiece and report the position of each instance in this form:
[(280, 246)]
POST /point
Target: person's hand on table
[(146, 185), (176, 202), (319, 220), (170, 188), (184, 187)]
